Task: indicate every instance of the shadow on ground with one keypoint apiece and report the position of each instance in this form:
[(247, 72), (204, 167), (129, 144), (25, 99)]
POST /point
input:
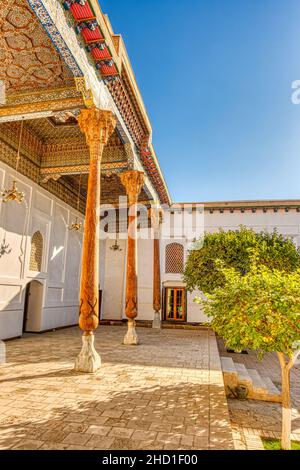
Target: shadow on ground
[(156, 417)]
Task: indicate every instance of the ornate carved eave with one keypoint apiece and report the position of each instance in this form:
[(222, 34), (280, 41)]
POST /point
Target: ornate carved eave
[(65, 66), (253, 209), (110, 58)]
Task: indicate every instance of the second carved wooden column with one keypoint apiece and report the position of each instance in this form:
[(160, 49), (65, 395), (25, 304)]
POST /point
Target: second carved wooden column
[(97, 125), (133, 181), (155, 216)]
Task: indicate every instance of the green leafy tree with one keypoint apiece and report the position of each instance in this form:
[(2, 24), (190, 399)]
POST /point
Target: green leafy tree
[(235, 249), (260, 310)]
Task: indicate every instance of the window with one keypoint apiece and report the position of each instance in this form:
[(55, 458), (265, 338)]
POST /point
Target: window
[(174, 258), (36, 252)]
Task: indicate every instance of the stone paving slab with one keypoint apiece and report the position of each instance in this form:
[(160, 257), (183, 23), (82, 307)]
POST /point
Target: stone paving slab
[(166, 393)]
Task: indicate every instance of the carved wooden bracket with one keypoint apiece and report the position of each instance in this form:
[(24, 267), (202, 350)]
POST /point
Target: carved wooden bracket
[(133, 181), (97, 125)]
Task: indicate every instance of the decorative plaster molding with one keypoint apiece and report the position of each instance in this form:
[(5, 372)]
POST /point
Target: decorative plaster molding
[(43, 95), (20, 117)]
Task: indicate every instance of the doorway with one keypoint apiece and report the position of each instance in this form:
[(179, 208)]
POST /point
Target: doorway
[(175, 305), (33, 305)]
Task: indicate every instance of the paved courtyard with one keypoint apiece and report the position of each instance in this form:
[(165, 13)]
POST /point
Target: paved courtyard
[(167, 393)]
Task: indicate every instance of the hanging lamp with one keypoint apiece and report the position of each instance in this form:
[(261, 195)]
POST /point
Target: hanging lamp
[(13, 194), (116, 246), (76, 226)]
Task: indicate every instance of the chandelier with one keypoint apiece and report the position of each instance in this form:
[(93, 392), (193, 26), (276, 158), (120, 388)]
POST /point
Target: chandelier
[(116, 246), (13, 194), (76, 226)]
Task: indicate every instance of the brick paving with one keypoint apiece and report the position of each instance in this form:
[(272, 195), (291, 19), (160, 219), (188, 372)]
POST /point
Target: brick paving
[(167, 393), (251, 419)]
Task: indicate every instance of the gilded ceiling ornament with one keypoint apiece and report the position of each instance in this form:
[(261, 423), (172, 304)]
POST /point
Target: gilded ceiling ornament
[(13, 194), (30, 59)]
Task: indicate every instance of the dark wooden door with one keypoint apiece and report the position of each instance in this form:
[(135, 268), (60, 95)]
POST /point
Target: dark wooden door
[(175, 305)]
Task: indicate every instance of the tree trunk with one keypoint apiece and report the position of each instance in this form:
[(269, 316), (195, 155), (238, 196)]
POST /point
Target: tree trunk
[(286, 404)]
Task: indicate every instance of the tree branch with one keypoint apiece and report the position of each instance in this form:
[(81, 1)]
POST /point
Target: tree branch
[(282, 360), (294, 359)]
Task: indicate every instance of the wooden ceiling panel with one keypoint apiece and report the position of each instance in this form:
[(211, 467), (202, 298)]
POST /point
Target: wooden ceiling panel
[(28, 58)]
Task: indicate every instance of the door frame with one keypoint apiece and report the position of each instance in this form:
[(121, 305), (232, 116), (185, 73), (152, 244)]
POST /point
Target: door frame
[(32, 316), (25, 311), (184, 304)]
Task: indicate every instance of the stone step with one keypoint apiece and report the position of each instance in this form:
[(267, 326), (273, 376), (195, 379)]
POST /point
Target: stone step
[(229, 373), (259, 388), (243, 376), (269, 393), (257, 381), (228, 365), (271, 387)]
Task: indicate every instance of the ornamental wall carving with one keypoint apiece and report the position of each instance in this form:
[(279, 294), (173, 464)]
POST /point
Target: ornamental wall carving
[(31, 170), (45, 163), (44, 95)]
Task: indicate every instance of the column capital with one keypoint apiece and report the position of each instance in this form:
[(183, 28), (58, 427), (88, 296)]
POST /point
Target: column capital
[(97, 125), (133, 181), (155, 214)]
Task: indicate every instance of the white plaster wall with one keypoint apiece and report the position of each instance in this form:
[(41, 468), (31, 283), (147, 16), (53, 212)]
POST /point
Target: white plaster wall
[(145, 279), (113, 264), (112, 279), (102, 261), (286, 223), (61, 257)]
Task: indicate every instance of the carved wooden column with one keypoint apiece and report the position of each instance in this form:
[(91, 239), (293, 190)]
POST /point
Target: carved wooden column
[(155, 215), (97, 125), (133, 181)]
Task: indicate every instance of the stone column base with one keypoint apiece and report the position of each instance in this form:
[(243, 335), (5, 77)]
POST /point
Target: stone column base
[(88, 360), (156, 321), (131, 338)]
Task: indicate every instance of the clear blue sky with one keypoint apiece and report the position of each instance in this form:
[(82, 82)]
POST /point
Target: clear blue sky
[(216, 77)]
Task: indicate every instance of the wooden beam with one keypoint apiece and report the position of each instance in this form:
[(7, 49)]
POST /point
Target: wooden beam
[(47, 173), (41, 106)]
